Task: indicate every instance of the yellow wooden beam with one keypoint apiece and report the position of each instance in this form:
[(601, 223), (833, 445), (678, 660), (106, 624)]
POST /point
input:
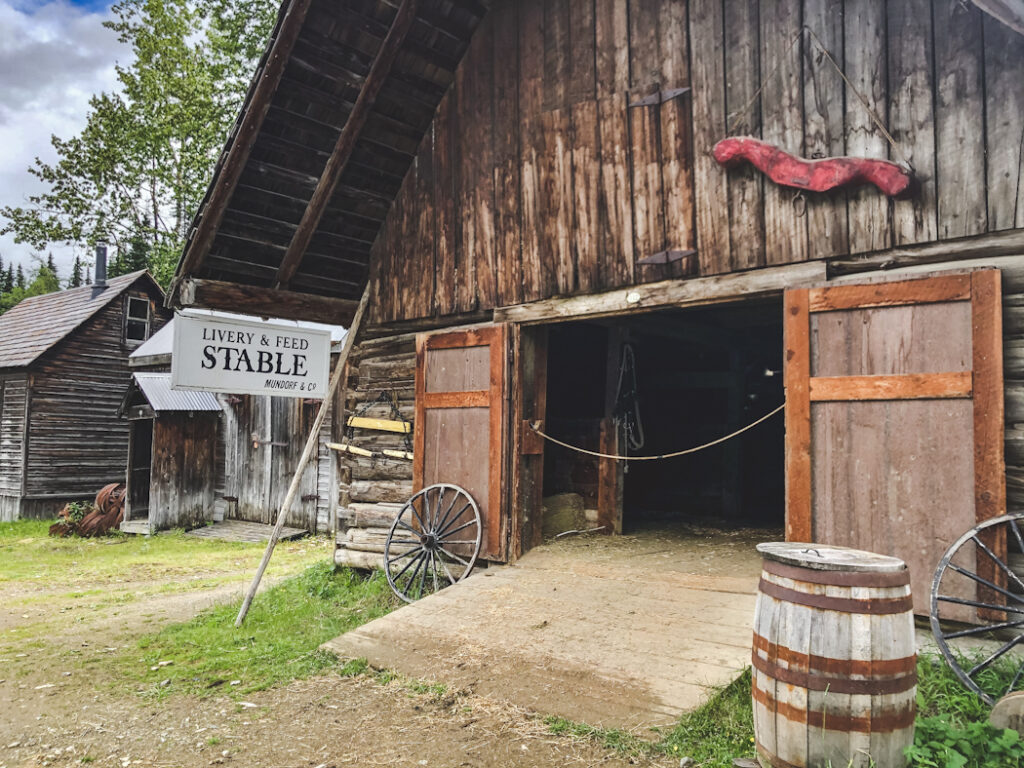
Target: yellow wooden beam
[(397, 454), (385, 425), (345, 448)]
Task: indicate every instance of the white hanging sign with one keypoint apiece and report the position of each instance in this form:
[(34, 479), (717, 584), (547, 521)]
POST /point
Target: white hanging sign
[(243, 357)]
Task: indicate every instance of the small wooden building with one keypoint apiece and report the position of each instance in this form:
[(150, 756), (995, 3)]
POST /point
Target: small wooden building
[(172, 455), (232, 458), (529, 191), (63, 372)]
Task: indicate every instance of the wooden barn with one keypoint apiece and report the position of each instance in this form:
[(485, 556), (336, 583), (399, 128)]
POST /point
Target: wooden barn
[(529, 194), (199, 457), (63, 372)]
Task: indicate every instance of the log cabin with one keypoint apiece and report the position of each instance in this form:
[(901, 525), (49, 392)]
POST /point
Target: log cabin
[(527, 195), (63, 372), (199, 457)]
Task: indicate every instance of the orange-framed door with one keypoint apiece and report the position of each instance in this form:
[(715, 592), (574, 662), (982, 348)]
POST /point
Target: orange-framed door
[(461, 413), (894, 417)]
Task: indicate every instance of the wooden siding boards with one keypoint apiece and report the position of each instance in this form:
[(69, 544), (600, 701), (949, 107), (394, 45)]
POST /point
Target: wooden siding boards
[(76, 442), (13, 391), (544, 182)]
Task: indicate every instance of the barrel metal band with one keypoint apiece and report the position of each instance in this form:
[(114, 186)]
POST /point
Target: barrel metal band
[(875, 606), (773, 760), (884, 721), (839, 578), (832, 683), (829, 665)]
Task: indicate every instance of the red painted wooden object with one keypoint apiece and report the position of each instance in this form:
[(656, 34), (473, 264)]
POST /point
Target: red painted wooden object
[(814, 175)]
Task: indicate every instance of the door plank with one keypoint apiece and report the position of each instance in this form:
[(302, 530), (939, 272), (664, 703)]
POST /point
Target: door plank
[(797, 373)]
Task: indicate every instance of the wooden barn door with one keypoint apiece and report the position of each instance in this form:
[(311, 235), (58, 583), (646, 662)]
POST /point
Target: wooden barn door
[(460, 421), (894, 416)]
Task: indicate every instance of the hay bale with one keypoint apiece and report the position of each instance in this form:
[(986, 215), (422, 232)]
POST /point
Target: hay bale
[(563, 512)]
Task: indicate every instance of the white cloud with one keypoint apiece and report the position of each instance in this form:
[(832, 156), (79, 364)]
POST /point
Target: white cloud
[(54, 55)]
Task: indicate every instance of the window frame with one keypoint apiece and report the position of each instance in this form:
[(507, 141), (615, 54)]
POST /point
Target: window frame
[(129, 319)]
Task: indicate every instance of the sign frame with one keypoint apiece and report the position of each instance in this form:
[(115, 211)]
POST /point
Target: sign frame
[(283, 345)]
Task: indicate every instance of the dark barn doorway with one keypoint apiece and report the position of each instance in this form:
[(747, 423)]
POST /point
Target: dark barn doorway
[(662, 382)]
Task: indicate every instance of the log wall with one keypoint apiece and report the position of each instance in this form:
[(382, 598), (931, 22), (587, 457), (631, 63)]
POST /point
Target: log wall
[(371, 491), (538, 178)]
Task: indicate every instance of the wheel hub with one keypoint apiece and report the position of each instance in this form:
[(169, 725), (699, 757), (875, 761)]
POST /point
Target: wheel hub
[(429, 541)]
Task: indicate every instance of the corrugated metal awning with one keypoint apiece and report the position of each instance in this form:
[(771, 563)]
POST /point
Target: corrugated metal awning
[(156, 388)]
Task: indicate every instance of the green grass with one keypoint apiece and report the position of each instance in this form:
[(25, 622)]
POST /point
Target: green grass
[(170, 559), (278, 642), (952, 725)]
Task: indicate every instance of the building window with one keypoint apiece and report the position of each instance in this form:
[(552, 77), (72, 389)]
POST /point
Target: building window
[(136, 326)]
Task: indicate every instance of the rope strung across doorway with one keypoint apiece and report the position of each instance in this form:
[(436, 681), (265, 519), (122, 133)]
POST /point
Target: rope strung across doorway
[(695, 449)]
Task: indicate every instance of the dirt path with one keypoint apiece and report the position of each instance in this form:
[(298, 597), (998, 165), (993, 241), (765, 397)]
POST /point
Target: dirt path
[(59, 707)]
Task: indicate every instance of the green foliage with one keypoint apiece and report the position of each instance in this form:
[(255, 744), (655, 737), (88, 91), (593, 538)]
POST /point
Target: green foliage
[(939, 742), (136, 173), (76, 510), (280, 640), (717, 731)]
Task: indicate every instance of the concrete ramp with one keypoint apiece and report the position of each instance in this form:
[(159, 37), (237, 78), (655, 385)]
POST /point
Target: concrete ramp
[(619, 632)]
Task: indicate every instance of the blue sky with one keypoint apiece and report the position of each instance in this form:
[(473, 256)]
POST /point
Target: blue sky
[(54, 55)]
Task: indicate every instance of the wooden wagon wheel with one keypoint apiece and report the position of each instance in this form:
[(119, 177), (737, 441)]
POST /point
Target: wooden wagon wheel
[(434, 541), (954, 590)]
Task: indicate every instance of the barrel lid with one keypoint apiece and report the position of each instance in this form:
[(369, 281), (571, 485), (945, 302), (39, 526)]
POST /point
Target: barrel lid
[(825, 557)]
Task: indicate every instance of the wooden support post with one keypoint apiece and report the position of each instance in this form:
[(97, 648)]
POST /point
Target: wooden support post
[(311, 444)]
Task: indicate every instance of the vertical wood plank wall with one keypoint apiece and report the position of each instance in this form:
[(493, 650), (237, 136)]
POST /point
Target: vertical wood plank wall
[(13, 390), (538, 179)]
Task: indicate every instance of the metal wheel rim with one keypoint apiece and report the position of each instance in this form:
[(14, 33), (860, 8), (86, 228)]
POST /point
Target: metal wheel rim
[(426, 553), (1014, 607)]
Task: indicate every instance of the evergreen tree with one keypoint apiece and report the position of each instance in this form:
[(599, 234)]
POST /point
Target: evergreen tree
[(88, 277), (9, 279), (75, 280), (50, 265), (19, 278)]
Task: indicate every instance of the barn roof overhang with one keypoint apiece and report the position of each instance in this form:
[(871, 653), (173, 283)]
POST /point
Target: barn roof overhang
[(343, 95)]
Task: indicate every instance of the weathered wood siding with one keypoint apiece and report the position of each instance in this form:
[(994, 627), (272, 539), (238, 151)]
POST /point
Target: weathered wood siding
[(183, 472), (372, 490), (76, 442), (265, 437), (13, 391), (538, 179)]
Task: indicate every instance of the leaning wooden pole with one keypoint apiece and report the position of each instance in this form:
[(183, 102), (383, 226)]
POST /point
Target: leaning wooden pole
[(311, 443)]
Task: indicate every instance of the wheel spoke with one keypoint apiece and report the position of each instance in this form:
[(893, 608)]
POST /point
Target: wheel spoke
[(399, 575), (983, 630), (463, 541), (998, 654), (454, 519), (451, 506), (986, 582), (1016, 678), (421, 560), (454, 557), (1005, 568), (412, 506), (408, 527), (423, 574), (444, 565), (404, 554), (1016, 532), (978, 604), (405, 541), (433, 570), (461, 527)]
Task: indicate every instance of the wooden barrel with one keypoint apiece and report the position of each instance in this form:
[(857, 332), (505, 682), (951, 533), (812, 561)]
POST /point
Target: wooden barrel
[(834, 661)]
